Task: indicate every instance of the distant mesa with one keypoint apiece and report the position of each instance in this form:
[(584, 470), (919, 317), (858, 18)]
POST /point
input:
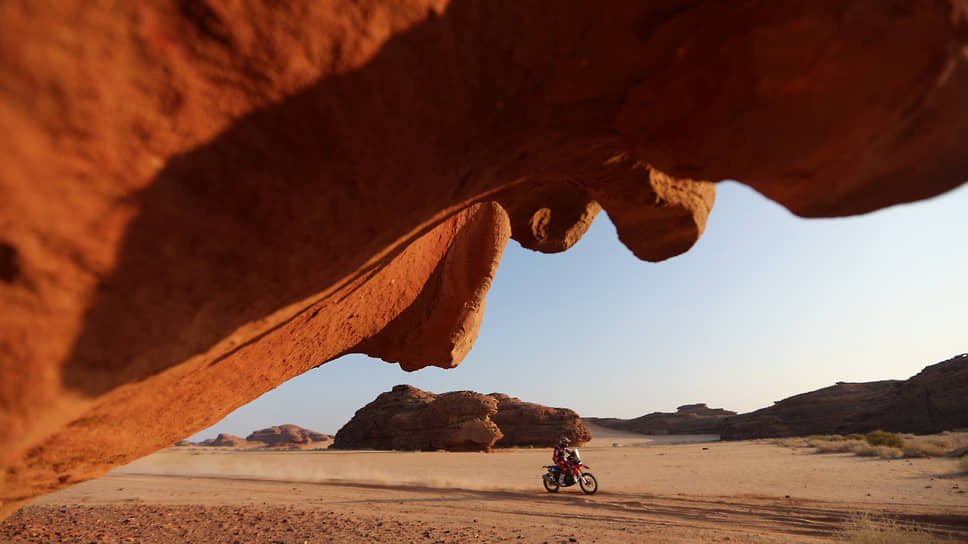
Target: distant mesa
[(289, 436), (934, 400), (276, 437), (687, 419), (227, 441), (408, 418)]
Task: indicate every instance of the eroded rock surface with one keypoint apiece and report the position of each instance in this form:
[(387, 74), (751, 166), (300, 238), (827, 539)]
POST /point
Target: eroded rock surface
[(687, 419), (529, 424), (931, 401), (201, 200), (407, 418)]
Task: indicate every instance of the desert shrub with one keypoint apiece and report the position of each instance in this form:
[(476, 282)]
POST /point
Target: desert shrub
[(888, 452), (943, 441), (794, 442), (863, 449), (885, 445), (842, 446), (958, 441), (927, 446), (884, 438), (866, 529)]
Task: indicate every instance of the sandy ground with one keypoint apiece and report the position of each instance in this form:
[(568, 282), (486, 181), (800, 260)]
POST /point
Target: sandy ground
[(652, 489)]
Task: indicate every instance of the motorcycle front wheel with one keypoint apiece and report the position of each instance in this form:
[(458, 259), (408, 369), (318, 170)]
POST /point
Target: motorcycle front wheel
[(550, 484), (588, 483)]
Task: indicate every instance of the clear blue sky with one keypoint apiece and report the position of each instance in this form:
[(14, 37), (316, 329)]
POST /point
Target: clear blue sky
[(765, 306)]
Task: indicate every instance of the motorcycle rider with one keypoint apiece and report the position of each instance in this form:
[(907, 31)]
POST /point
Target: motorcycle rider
[(560, 458)]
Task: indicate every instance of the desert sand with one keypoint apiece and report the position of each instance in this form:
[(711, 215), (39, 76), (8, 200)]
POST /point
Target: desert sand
[(652, 489)]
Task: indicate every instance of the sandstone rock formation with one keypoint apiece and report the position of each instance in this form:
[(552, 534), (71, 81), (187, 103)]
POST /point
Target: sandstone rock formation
[(687, 419), (935, 399), (277, 437), (530, 424), (289, 436), (227, 441), (406, 418), (201, 200)]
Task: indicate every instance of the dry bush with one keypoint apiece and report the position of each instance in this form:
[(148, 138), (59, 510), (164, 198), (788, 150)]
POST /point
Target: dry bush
[(866, 529), (927, 446), (864, 449), (958, 440), (887, 452), (884, 438), (794, 442), (941, 440), (841, 446), (884, 444)]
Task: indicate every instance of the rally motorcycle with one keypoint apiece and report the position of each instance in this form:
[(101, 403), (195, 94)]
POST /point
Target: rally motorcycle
[(555, 478)]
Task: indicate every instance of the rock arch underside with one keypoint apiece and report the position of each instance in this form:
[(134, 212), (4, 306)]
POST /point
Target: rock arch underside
[(202, 199)]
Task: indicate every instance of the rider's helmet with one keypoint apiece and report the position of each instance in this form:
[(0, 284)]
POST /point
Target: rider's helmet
[(564, 441)]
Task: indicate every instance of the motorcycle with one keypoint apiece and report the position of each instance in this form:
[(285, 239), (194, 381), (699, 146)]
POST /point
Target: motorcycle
[(555, 478)]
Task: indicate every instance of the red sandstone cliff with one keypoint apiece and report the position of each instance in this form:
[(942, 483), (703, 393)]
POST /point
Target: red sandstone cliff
[(407, 418), (530, 424)]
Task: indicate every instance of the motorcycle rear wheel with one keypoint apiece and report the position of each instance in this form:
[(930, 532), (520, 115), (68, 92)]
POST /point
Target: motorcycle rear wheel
[(588, 483), (550, 485)]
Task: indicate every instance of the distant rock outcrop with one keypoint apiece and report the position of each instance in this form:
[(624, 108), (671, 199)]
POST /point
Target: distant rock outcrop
[(289, 436), (227, 441), (687, 419), (407, 418), (935, 399), (530, 424), (278, 437)]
